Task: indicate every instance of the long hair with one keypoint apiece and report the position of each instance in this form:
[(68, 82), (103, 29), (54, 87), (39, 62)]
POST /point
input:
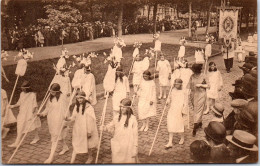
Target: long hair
[(27, 90), (129, 112), (57, 96), (210, 64), (196, 68), (83, 106)]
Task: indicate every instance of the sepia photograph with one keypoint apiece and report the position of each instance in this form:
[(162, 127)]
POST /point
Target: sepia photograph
[(129, 82)]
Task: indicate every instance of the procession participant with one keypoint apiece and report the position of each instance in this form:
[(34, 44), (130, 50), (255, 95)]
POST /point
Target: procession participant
[(215, 135), (200, 151), (55, 111), (76, 64), (216, 84), (157, 42), (84, 134), (79, 74), (242, 147), (208, 48), (27, 111), (124, 144), (5, 112), (137, 71), (199, 56), (181, 52), (218, 110), (121, 90), (164, 69), (147, 100), (175, 121), (198, 95), (240, 50), (89, 85), (117, 49), (228, 54), (251, 58)]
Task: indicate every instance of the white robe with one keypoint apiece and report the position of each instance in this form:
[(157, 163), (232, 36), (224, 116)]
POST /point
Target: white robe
[(215, 82), (199, 57), (181, 52), (61, 63), (164, 69), (9, 114), (124, 144), (147, 93), (21, 67), (208, 50), (117, 53), (55, 112), (175, 122), (89, 87), (83, 125), (109, 79), (120, 92), (27, 103), (76, 81), (157, 45), (137, 72), (175, 75), (136, 52)]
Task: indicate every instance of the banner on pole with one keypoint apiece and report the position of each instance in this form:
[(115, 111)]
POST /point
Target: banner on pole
[(228, 23)]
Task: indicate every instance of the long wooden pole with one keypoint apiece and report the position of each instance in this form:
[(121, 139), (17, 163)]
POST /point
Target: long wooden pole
[(102, 126), (28, 129), (161, 119), (131, 68), (155, 66)]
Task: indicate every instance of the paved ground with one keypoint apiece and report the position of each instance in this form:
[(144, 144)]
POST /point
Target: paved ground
[(36, 154)]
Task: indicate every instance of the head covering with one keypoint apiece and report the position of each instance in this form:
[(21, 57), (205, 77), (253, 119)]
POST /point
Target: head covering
[(216, 131), (55, 87), (245, 119), (243, 139), (218, 109), (178, 81), (25, 84), (239, 103), (87, 68), (200, 150), (249, 85), (81, 94), (252, 108), (126, 102), (246, 67)]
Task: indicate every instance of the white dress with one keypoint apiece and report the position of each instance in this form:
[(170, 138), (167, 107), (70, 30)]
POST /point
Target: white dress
[(109, 80), (208, 50), (21, 67), (181, 52), (84, 124), (27, 103), (120, 92), (89, 87), (199, 57), (117, 53), (147, 93), (55, 111), (124, 144), (157, 45), (138, 72), (136, 52), (175, 75), (76, 81), (215, 82), (164, 69), (4, 103), (175, 122), (61, 63), (146, 63)]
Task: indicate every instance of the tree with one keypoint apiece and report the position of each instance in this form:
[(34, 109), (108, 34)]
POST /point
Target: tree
[(208, 16)]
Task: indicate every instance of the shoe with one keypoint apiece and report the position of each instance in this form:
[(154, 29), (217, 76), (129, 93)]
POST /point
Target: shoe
[(48, 161), (194, 129), (34, 141), (167, 147), (12, 145), (90, 159), (146, 128), (206, 112), (64, 150), (181, 142), (142, 128)]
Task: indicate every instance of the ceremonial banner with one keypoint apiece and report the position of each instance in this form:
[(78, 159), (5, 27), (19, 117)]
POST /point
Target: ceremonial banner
[(228, 23)]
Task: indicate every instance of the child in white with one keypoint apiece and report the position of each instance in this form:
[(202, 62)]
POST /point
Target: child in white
[(216, 84), (56, 113), (79, 74), (181, 52), (124, 144), (121, 90), (208, 49), (240, 52), (147, 100), (175, 122), (9, 119), (199, 56), (109, 79), (84, 134), (27, 112), (137, 71), (164, 69)]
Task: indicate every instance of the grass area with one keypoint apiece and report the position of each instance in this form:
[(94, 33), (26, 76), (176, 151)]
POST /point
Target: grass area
[(41, 73)]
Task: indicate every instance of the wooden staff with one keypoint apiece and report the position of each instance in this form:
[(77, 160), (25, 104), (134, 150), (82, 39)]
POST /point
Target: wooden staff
[(59, 133), (155, 63), (28, 129), (105, 106), (4, 75), (161, 119), (102, 126), (131, 68)]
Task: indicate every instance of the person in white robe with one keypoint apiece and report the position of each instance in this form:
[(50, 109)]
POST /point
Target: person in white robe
[(175, 121), (181, 52), (240, 51), (208, 49), (109, 79), (164, 69), (117, 49), (5, 111), (121, 90), (79, 74), (124, 144), (147, 100), (55, 111), (199, 56), (89, 85), (27, 113), (85, 133), (216, 84)]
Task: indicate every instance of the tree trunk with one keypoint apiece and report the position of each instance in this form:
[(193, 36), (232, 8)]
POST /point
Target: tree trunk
[(247, 19), (254, 16), (91, 11), (208, 16), (149, 8), (154, 16), (120, 18), (190, 18), (177, 11)]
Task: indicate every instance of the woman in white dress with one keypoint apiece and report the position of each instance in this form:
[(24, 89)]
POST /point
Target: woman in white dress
[(55, 111), (216, 84), (124, 144), (181, 52), (164, 69), (137, 72), (84, 134), (109, 79), (175, 122), (27, 112), (121, 90), (147, 100)]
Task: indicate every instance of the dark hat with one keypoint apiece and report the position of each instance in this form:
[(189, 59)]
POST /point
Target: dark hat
[(253, 73), (87, 68), (251, 53), (239, 103), (218, 109), (119, 69), (81, 94), (237, 83), (216, 131), (178, 81), (147, 72), (200, 150), (243, 139), (55, 87), (245, 119), (252, 108), (246, 67), (126, 102), (25, 84)]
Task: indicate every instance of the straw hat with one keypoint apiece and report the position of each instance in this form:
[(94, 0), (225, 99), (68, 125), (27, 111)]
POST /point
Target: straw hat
[(218, 109)]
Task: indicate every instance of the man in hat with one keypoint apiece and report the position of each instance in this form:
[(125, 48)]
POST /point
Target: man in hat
[(242, 147), (228, 53), (89, 85), (246, 68), (245, 121), (249, 88), (218, 110)]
